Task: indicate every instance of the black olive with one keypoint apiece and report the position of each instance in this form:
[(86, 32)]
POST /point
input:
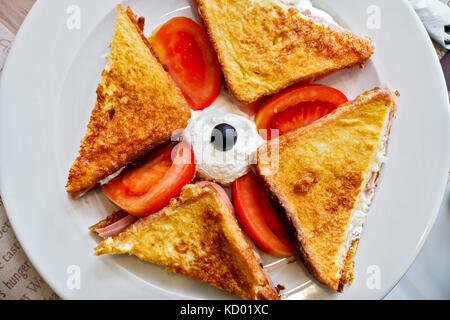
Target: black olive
[(223, 137)]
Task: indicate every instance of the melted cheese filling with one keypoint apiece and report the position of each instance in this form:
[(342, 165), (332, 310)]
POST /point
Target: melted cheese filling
[(364, 199), (305, 9)]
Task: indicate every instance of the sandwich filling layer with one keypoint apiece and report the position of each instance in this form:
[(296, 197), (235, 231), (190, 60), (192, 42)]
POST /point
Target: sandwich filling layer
[(305, 6), (362, 203)]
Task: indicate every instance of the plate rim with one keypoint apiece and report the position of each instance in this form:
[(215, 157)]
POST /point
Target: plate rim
[(50, 280)]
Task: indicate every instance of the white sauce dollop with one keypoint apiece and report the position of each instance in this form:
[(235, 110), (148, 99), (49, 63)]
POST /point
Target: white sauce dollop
[(222, 166)]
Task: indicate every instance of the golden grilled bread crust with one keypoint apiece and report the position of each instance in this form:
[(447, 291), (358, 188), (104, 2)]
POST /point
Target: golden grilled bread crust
[(197, 236), (264, 48), (349, 264), (322, 168), (138, 107)]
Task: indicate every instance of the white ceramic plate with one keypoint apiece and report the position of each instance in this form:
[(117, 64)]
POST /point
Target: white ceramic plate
[(48, 91)]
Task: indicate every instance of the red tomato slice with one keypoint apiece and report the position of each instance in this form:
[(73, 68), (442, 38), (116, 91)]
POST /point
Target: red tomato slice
[(148, 188), (184, 48), (258, 218), (297, 107), (141, 179)]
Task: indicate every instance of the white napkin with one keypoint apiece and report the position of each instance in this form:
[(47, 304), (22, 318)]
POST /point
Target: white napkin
[(435, 15)]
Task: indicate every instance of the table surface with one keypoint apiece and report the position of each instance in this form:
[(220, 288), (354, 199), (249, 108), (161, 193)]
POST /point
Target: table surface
[(428, 277)]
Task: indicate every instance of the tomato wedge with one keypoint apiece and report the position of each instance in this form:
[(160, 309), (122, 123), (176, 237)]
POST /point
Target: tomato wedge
[(149, 187), (258, 218), (297, 107), (184, 48)]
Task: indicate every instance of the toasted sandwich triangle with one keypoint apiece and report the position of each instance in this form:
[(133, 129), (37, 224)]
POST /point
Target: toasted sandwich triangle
[(324, 179), (265, 46), (138, 107), (197, 236)]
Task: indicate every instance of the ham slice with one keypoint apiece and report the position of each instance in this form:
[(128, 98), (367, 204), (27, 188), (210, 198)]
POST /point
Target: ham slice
[(116, 227), (372, 183), (221, 192)]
